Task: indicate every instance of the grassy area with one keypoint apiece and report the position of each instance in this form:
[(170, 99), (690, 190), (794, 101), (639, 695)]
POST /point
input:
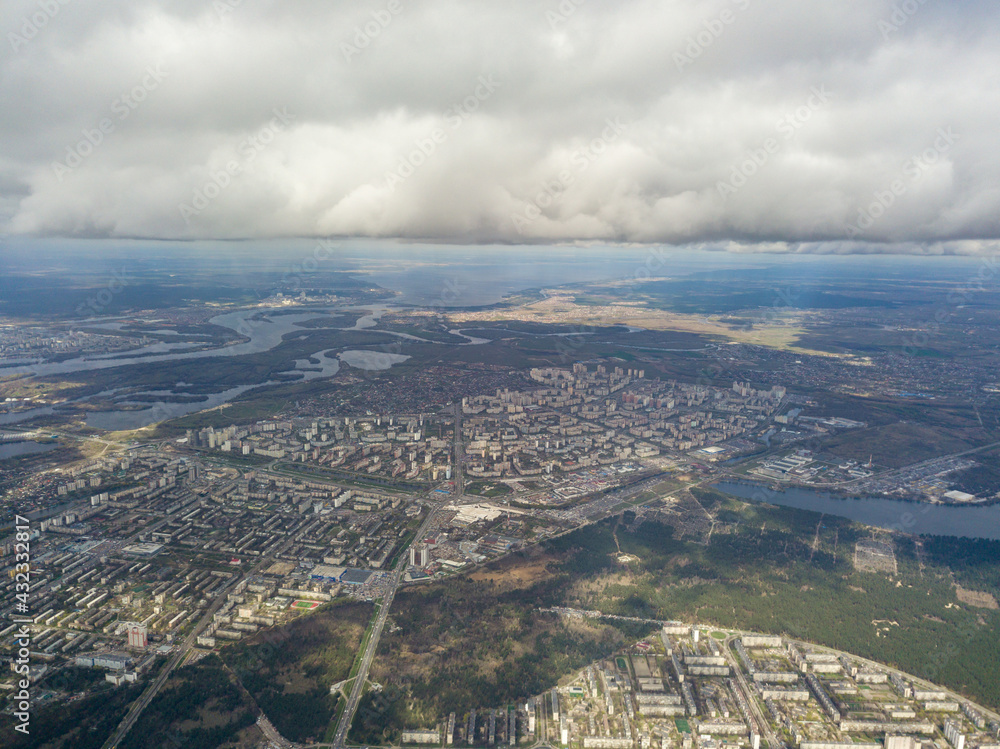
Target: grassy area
[(567, 310), (219, 418), (428, 334), (365, 639), (900, 444), (488, 489)]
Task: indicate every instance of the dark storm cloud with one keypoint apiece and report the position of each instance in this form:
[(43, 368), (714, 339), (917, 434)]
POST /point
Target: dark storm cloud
[(788, 124)]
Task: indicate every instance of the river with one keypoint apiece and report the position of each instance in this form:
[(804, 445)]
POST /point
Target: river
[(893, 514), (264, 333)]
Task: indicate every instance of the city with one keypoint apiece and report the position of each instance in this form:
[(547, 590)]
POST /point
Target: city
[(545, 374)]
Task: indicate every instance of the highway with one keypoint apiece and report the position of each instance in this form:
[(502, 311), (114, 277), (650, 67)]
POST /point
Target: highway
[(150, 692), (459, 453), (361, 678), (763, 727), (182, 651)]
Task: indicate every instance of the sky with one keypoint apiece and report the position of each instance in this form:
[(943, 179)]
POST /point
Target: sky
[(750, 125)]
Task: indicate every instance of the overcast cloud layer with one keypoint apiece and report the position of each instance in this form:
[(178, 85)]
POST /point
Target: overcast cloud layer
[(758, 122)]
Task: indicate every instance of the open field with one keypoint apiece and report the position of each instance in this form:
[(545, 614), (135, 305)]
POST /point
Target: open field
[(566, 309), (903, 443), (977, 598)]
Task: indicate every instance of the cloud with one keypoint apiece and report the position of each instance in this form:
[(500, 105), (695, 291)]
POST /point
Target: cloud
[(823, 126)]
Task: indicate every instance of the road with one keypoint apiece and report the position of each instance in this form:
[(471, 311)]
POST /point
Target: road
[(358, 687), (268, 729), (361, 678), (459, 453), (147, 696), (182, 651), (265, 725), (762, 727)]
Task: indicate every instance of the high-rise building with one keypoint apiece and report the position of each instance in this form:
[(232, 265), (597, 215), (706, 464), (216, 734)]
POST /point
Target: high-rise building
[(953, 733), (137, 637), (419, 555), (900, 742)]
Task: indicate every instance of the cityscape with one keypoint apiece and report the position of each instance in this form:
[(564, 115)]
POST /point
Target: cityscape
[(554, 375)]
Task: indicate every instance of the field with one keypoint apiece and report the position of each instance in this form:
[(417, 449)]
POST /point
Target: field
[(976, 598), (903, 443), (569, 310), (871, 555), (488, 488)]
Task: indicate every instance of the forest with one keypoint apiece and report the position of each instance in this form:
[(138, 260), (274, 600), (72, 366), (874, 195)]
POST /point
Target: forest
[(198, 708), (482, 641), (289, 670)]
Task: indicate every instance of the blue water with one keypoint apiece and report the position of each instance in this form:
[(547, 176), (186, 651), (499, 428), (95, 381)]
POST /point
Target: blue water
[(15, 449), (893, 514)]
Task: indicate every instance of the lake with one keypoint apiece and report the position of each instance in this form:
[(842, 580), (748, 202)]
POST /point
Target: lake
[(16, 449), (893, 514)]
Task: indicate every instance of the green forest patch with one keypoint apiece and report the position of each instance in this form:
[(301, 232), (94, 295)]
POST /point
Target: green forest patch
[(289, 670), (466, 644)]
